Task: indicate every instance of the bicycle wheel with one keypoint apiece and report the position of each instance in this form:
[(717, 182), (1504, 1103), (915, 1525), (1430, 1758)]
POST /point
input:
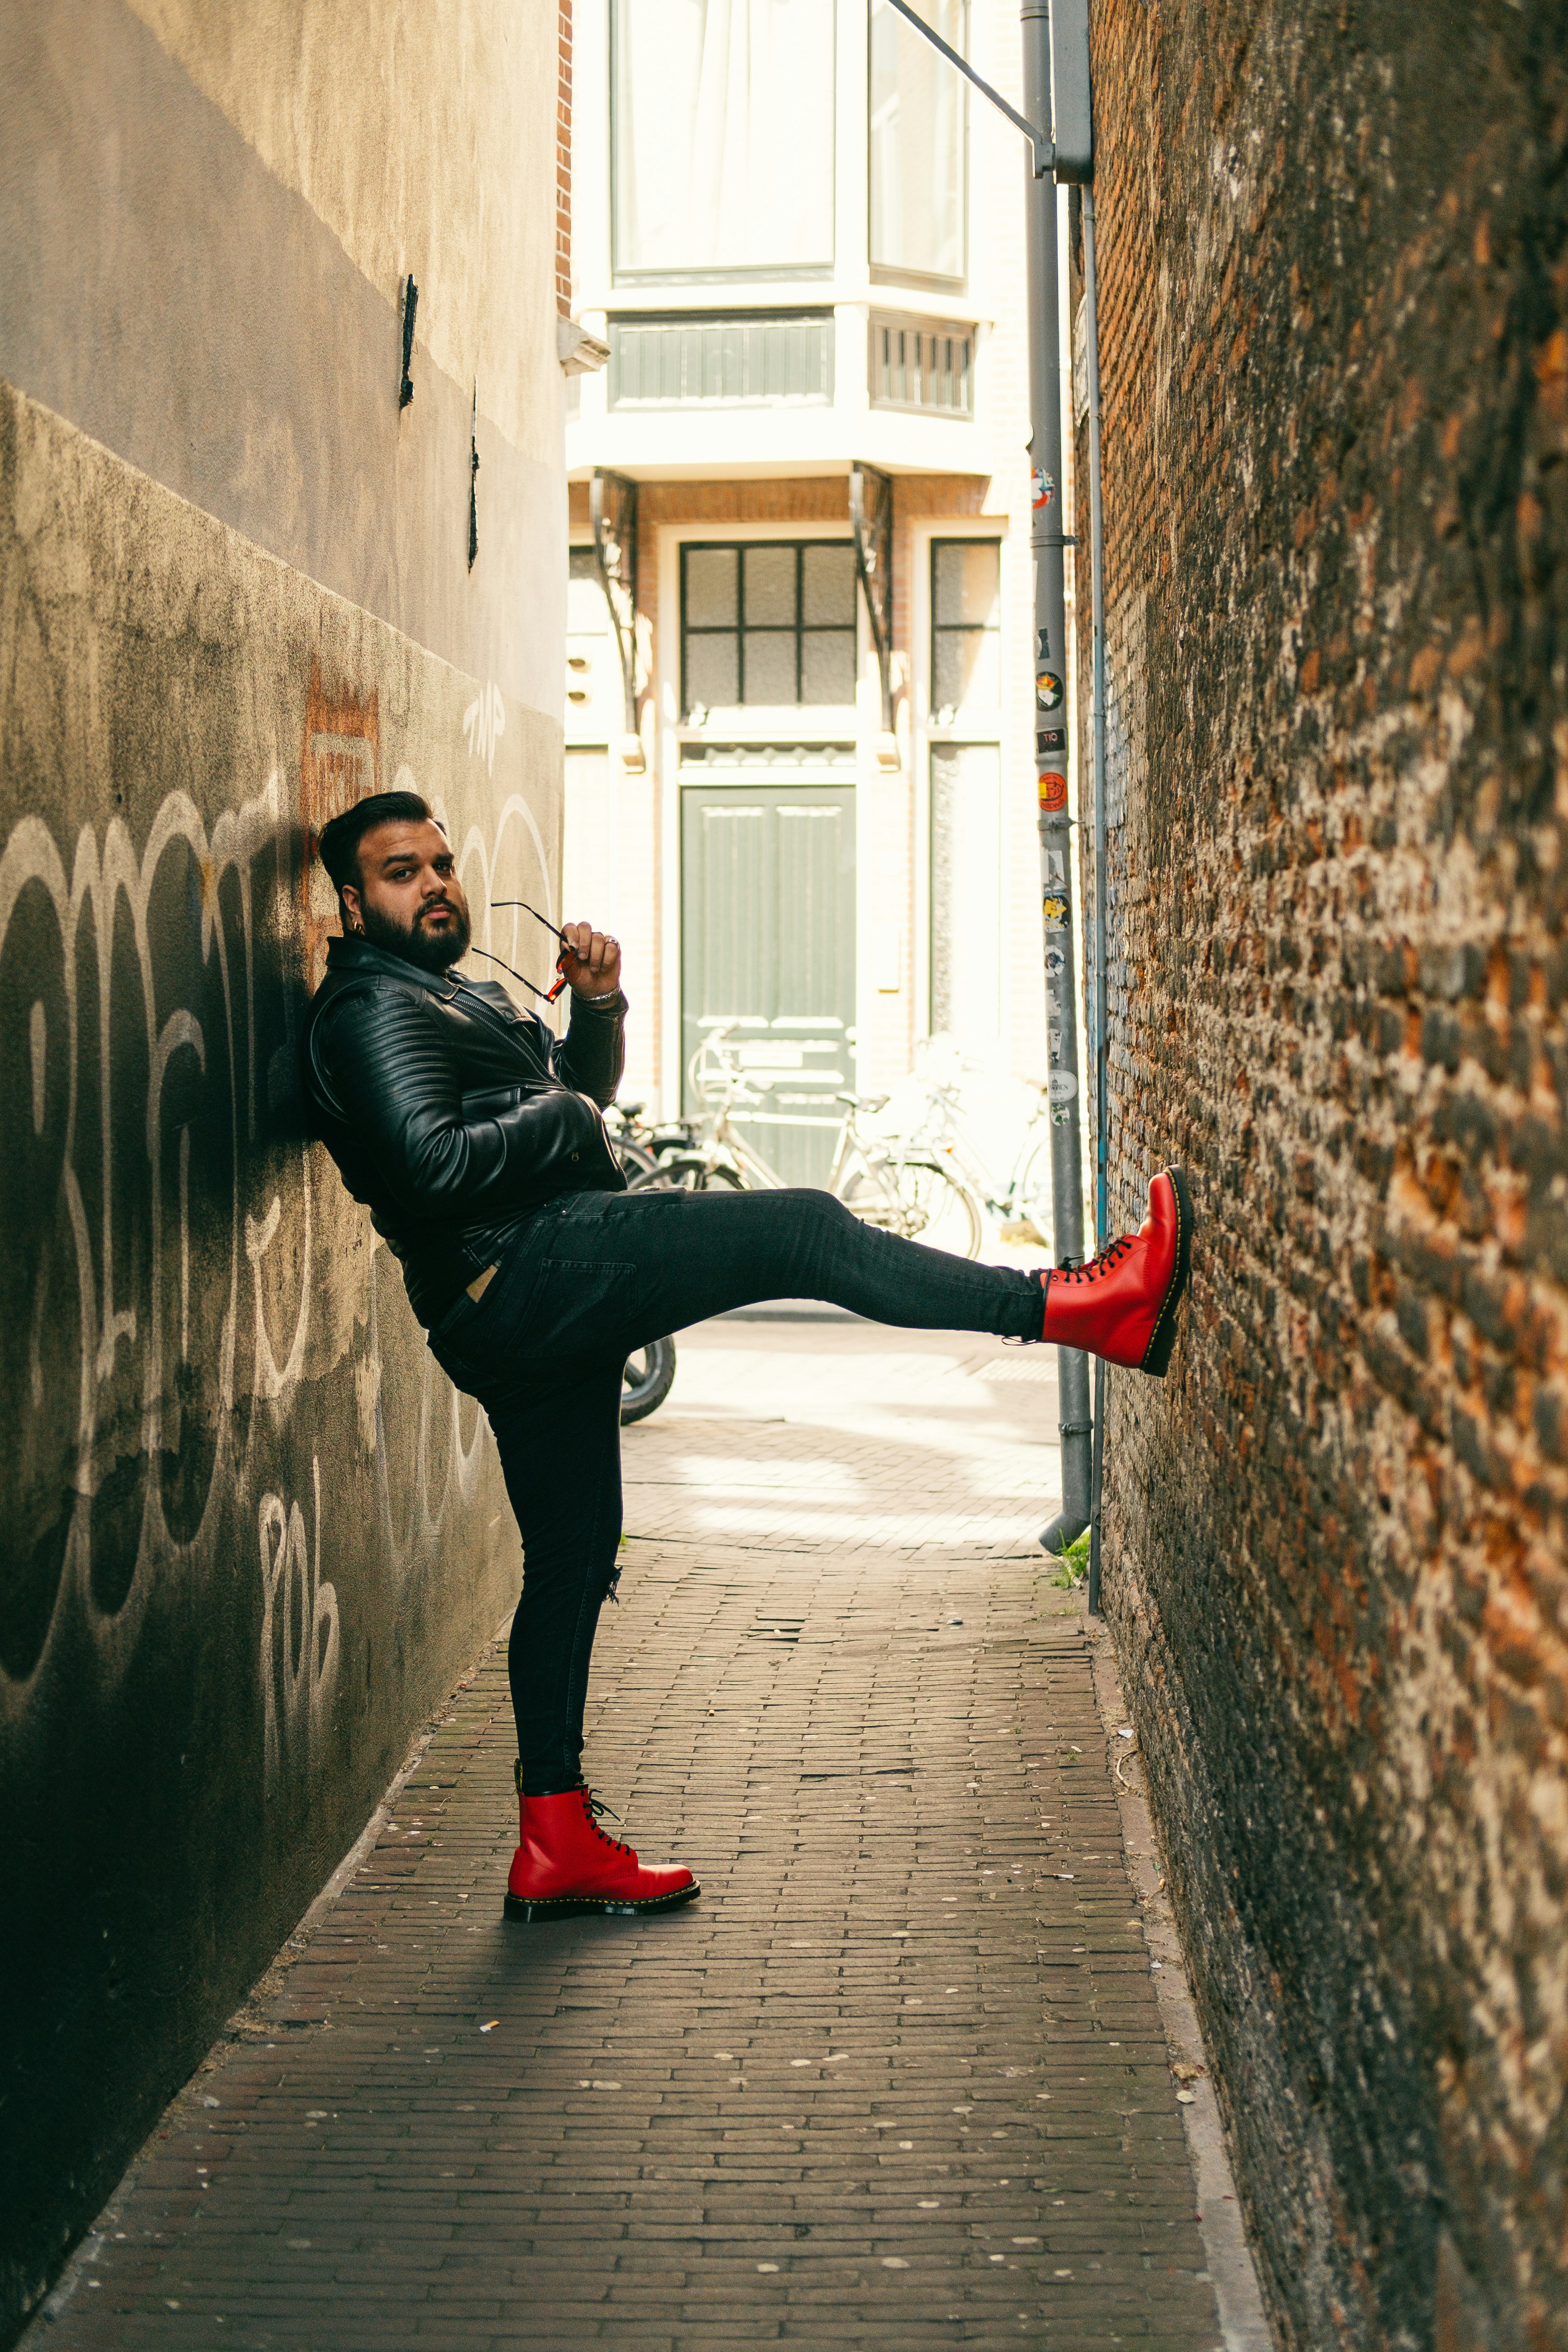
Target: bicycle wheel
[(683, 1173), (1032, 1196), (634, 1160), (647, 1380), (923, 1201)]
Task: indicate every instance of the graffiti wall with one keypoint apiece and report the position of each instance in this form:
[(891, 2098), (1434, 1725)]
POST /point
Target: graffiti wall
[(250, 1531)]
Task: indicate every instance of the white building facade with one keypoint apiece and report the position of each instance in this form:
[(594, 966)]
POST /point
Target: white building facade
[(799, 773)]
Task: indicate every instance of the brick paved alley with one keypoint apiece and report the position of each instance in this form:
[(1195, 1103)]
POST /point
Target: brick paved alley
[(898, 2079)]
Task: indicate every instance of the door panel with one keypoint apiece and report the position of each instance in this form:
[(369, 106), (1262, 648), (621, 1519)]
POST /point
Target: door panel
[(768, 942)]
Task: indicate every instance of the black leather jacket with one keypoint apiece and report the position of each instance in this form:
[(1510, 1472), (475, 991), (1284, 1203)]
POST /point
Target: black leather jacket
[(452, 1114)]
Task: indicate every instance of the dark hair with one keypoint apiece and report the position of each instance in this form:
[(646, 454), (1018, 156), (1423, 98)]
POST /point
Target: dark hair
[(338, 843)]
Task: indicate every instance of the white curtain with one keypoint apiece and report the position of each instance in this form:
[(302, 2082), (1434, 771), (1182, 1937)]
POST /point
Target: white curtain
[(917, 142), (723, 135)]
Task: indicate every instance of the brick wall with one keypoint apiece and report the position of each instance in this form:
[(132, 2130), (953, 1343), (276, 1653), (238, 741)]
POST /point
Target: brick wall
[(1332, 260)]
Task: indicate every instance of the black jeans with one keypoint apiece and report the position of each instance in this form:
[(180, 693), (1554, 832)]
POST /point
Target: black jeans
[(592, 1277)]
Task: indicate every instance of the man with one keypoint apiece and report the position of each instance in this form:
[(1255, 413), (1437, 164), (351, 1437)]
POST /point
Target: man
[(475, 1138)]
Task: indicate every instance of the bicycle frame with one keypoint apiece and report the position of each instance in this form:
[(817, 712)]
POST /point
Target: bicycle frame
[(854, 1156)]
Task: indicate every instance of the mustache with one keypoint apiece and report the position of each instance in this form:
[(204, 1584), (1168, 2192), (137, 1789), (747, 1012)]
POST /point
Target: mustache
[(435, 907)]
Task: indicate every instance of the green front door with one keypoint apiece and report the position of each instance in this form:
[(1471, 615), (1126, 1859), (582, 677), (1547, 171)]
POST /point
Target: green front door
[(767, 916)]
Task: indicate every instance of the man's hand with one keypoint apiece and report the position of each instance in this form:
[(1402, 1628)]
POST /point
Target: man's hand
[(590, 960)]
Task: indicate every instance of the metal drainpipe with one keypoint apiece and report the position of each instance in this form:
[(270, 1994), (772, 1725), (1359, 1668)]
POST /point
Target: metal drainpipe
[(1048, 545), (1101, 1053)]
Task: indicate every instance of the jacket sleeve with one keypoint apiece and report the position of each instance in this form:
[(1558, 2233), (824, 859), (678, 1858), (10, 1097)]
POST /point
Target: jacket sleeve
[(392, 1073), (593, 1054)]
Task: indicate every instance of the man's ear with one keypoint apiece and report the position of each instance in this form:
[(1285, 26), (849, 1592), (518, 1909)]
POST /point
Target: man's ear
[(348, 909)]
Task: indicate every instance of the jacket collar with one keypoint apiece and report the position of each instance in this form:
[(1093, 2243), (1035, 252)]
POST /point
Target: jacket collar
[(350, 953)]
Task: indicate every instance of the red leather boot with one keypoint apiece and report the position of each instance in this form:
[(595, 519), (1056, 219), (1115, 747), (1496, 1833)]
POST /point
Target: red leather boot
[(1122, 1305), (566, 1865)]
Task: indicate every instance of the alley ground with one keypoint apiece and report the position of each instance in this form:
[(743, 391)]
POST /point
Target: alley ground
[(907, 2075)]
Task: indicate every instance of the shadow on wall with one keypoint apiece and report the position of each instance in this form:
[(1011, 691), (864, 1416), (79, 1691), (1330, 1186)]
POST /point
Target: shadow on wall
[(251, 1530)]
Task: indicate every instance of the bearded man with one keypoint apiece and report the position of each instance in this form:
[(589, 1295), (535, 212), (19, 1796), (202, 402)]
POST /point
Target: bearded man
[(474, 1138)]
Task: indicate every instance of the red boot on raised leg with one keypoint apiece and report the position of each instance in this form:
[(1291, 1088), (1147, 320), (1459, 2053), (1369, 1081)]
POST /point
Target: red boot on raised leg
[(566, 1865), (1122, 1305)]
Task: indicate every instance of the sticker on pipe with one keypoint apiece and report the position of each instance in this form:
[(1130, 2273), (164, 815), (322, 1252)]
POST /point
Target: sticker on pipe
[(1052, 787), (1049, 690), (1063, 1086), (1042, 489), (1050, 740), (1055, 911)]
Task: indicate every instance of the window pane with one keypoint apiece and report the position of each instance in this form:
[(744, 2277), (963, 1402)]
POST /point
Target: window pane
[(967, 578), (711, 588), (966, 670), (769, 665), (770, 586), (723, 135), (828, 665), (917, 142), (827, 592), (713, 672), (966, 891)]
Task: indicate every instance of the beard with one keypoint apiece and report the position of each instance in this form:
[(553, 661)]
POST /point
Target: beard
[(432, 950)]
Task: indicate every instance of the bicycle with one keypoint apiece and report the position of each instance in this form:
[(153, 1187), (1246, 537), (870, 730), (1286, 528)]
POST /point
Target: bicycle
[(896, 1183), (1023, 1207)]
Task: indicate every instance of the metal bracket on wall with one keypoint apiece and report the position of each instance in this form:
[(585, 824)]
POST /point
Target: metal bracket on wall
[(871, 514), (613, 510), (1040, 141), (410, 305), (473, 480)]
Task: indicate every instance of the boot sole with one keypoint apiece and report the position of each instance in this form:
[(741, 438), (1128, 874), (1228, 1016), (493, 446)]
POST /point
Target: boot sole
[(530, 1910), (1162, 1338)]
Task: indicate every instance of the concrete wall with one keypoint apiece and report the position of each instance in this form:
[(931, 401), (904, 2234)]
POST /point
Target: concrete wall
[(251, 1533), (1333, 252)]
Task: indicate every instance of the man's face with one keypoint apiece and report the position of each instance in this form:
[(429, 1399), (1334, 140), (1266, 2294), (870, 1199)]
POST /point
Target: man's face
[(409, 898)]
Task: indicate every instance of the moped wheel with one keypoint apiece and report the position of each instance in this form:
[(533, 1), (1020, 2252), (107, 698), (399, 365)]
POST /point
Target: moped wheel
[(646, 1380)]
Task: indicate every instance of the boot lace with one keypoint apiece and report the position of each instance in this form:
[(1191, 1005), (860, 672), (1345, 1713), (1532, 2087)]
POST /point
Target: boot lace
[(1097, 1267), (598, 1811)]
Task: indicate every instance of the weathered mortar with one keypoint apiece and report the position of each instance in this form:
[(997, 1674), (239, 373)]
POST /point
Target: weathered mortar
[(1333, 259)]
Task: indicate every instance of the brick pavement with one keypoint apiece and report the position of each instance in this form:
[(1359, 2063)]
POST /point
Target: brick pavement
[(898, 2079)]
